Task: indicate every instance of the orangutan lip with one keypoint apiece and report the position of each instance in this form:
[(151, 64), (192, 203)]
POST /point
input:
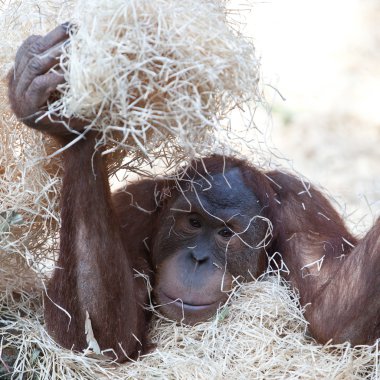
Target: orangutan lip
[(178, 302)]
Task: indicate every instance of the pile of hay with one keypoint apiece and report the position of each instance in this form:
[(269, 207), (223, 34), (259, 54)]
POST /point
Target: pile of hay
[(161, 55), (148, 74), (29, 202), (29, 182), (261, 332)]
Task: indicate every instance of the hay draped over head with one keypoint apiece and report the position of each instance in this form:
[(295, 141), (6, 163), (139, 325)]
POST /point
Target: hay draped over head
[(149, 74)]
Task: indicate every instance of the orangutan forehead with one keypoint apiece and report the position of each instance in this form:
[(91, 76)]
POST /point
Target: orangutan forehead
[(222, 190), (228, 189)]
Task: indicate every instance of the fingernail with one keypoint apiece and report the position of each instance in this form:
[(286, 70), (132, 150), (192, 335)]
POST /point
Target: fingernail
[(66, 26), (70, 27)]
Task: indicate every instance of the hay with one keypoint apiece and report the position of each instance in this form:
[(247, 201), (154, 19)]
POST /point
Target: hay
[(29, 207), (155, 77), (29, 218), (30, 187), (260, 334), (29, 184)]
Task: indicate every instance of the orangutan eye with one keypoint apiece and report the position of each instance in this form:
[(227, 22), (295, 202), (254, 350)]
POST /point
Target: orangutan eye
[(195, 222), (225, 233)]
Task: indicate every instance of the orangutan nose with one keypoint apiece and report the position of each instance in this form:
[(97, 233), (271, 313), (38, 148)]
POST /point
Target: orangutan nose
[(199, 257)]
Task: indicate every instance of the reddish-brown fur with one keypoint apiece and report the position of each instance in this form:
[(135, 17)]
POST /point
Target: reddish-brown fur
[(306, 228), (105, 239)]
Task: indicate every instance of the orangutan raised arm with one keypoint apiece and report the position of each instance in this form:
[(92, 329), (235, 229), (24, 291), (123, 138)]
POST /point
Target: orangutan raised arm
[(93, 274)]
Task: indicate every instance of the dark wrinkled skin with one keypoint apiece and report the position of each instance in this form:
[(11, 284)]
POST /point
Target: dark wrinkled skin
[(197, 235), (210, 234)]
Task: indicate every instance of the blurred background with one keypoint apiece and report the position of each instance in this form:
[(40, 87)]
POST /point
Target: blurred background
[(321, 73)]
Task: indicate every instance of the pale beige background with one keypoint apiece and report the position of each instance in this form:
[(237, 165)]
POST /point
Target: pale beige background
[(323, 56)]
